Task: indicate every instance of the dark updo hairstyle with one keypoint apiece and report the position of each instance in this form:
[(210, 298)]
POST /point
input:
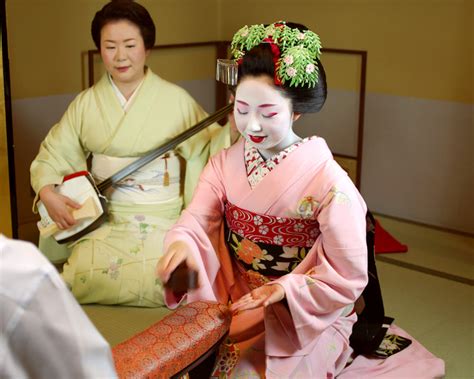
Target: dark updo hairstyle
[(127, 10), (259, 61)]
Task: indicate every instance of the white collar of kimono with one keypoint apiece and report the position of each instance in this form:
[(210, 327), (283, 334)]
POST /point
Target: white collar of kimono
[(123, 101)]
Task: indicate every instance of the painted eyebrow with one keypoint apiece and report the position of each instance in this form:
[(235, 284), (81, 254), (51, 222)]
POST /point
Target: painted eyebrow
[(125, 40), (260, 106)]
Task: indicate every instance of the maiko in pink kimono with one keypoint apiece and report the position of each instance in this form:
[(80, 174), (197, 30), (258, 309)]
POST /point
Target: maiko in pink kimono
[(278, 229)]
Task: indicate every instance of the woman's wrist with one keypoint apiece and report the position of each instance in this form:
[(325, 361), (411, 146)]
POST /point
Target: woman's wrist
[(44, 191)]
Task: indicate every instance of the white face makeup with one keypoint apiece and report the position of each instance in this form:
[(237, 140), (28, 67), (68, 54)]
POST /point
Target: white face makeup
[(263, 115), (123, 52)]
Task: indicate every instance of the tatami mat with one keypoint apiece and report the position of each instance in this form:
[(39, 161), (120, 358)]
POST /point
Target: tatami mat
[(436, 311), (431, 248), (117, 323), (429, 291)]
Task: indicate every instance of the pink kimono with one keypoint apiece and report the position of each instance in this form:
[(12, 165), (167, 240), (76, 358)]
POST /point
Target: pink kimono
[(303, 204)]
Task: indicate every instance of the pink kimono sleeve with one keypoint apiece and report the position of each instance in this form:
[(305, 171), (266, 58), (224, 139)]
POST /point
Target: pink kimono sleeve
[(332, 276), (199, 227)]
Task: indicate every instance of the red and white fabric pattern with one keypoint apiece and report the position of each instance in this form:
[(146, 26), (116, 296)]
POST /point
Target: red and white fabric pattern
[(258, 167), (279, 231)]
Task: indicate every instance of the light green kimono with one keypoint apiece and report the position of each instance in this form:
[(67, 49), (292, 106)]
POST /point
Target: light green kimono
[(115, 264)]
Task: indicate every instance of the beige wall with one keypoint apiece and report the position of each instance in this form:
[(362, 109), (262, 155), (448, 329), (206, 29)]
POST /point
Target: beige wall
[(48, 39), (5, 210)]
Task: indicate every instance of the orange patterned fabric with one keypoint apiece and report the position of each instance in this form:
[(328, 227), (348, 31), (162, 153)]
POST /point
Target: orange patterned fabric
[(174, 342)]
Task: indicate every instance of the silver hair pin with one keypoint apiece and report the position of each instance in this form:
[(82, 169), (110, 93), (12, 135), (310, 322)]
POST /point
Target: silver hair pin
[(227, 71)]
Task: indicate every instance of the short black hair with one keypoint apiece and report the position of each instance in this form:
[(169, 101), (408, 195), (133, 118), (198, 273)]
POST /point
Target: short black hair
[(259, 61), (127, 10)]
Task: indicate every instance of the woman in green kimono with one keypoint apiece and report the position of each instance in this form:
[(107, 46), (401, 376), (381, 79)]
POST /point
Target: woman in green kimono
[(128, 113)]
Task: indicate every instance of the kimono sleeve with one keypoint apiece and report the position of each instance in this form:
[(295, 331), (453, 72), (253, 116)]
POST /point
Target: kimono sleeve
[(61, 152), (199, 227), (320, 296), (198, 149)]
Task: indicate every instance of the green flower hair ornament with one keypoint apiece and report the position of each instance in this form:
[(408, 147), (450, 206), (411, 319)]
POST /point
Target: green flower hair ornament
[(299, 51)]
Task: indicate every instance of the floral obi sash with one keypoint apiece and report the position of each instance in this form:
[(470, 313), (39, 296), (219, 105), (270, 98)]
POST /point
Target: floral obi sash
[(267, 247)]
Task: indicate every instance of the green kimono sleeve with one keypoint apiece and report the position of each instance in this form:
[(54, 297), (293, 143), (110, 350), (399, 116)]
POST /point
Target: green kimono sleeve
[(61, 153)]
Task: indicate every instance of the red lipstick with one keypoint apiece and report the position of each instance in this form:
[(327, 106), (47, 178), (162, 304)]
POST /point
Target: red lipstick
[(256, 139)]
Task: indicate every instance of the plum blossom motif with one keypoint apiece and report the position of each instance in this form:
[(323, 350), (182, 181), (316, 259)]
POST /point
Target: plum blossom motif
[(288, 59), (299, 227), (314, 232), (310, 242), (291, 72), (140, 217), (114, 267), (263, 229), (310, 68), (278, 240), (257, 220)]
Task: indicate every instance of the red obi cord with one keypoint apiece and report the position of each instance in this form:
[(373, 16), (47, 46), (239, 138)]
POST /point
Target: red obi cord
[(276, 59), (273, 230), (75, 175)]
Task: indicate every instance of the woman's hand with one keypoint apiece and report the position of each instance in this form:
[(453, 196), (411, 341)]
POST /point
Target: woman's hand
[(58, 207), (261, 296), (177, 253)]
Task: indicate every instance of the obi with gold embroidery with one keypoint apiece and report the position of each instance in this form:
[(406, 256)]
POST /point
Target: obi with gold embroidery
[(267, 247)]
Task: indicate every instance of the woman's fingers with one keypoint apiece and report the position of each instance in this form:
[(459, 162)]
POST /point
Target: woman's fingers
[(59, 208), (240, 307), (254, 303), (64, 220), (174, 262), (68, 219), (71, 203), (160, 267), (249, 301), (163, 267), (277, 294), (273, 298), (175, 255), (262, 296)]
